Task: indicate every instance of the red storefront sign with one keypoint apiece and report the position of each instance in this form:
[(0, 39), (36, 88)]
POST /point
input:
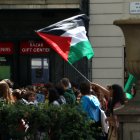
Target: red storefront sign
[(6, 47), (34, 47)]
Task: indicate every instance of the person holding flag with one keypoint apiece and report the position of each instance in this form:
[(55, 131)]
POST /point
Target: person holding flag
[(116, 100)]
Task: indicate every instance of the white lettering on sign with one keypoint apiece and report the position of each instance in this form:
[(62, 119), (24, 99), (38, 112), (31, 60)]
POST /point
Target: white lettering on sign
[(5, 49), (35, 44), (24, 50), (34, 47), (35, 50), (134, 7), (41, 49)]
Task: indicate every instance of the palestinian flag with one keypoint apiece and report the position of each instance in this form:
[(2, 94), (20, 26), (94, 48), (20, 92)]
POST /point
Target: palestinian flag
[(68, 38)]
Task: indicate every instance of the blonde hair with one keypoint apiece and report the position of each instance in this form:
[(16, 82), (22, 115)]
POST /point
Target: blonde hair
[(5, 92)]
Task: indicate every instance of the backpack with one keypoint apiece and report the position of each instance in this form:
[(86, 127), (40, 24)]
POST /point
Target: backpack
[(59, 101)]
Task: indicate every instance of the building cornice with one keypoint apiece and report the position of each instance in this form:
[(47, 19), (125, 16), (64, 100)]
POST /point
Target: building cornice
[(40, 4)]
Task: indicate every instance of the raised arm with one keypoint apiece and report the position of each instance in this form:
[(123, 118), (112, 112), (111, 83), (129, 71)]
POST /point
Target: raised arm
[(102, 89)]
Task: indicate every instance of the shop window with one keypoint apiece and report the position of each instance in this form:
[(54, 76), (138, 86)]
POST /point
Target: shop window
[(4, 68), (39, 70)]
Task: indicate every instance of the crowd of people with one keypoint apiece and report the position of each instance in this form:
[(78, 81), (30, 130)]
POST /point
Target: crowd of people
[(97, 101)]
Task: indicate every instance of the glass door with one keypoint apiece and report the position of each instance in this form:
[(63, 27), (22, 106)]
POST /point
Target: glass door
[(39, 70)]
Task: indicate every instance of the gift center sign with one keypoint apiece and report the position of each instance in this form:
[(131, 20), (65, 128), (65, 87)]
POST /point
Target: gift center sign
[(6, 47), (134, 7), (34, 47)]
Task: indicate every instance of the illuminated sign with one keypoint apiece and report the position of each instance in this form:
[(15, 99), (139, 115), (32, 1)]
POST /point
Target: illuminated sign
[(6, 47), (34, 47)]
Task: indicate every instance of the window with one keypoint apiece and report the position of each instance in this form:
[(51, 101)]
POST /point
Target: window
[(39, 70)]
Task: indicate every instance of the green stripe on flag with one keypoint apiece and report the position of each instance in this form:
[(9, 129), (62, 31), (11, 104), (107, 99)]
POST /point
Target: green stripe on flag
[(128, 86), (80, 50), (129, 96), (129, 83)]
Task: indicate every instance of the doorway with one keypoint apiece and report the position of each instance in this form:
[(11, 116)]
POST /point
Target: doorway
[(39, 71)]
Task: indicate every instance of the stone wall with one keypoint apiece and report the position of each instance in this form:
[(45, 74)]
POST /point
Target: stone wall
[(37, 4), (107, 41)]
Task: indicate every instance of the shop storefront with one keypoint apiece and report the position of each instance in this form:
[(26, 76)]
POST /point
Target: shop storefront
[(24, 57), (37, 53)]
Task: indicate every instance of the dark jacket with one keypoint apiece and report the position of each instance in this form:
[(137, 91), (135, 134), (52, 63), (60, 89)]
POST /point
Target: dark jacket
[(70, 96)]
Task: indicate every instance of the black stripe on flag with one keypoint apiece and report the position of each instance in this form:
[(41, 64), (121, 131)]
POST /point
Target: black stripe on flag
[(61, 27)]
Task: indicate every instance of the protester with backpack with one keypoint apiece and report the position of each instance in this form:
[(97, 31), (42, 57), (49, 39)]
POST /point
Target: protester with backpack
[(54, 97)]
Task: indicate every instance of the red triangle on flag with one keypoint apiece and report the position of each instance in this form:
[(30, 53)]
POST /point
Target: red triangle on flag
[(59, 43)]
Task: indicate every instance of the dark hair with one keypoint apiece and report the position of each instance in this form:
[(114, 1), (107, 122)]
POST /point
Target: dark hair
[(65, 82), (17, 93), (49, 85), (53, 95), (118, 95), (60, 89), (74, 84), (28, 94), (85, 88)]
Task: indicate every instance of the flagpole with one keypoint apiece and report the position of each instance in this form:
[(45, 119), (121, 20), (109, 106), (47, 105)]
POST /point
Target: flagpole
[(79, 72)]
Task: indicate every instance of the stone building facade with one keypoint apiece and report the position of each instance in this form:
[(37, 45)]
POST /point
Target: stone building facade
[(107, 40), (107, 66)]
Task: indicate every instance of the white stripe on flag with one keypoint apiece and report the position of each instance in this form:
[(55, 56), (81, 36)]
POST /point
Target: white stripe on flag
[(78, 34)]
